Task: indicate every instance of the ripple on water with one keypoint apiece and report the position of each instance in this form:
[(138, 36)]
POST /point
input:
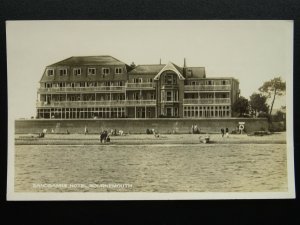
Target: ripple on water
[(214, 168)]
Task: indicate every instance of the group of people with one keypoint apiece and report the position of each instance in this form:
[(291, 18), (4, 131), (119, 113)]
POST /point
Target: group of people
[(225, 132), (104, 136)]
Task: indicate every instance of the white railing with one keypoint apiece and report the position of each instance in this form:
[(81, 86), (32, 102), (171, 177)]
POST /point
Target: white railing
[(81, 89), (207, 101), (139, 85), (207, 87), (95, 103)]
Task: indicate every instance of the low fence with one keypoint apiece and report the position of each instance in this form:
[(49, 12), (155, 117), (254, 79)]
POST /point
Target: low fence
[(138, 126)]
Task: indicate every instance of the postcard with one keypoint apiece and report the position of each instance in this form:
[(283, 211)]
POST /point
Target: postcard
[(150, 110)]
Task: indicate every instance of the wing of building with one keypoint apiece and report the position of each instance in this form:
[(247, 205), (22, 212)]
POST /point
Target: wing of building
[(104, 87)]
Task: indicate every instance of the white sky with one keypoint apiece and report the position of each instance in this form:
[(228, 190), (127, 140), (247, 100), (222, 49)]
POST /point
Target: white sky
[(251, 51)]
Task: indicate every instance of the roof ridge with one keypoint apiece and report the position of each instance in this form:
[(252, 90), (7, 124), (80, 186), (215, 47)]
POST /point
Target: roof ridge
[(151, 64), (86, 59), (61, 61), (83, 56)]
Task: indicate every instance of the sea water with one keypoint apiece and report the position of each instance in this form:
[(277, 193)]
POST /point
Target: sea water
[(151, 168)]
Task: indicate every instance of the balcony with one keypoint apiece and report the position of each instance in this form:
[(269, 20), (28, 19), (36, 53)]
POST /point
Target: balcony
[(81, 89), (169, 86), (78, 104), (139, 86), (205, 101), (207, 87)]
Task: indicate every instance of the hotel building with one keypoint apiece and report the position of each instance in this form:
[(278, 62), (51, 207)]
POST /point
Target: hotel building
[(104, 87)]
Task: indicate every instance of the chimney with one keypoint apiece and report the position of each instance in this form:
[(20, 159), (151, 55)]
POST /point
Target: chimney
[(184, 67), (159, 61)]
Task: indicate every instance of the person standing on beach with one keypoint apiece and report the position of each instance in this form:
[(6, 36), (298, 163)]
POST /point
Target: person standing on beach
[(100, 137), (85, 130), (227, 132), (222, 132)]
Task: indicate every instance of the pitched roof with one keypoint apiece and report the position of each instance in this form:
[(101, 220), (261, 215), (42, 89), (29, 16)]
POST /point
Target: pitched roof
[(173, 67), (88, 60), (196, 72), (147, 69)]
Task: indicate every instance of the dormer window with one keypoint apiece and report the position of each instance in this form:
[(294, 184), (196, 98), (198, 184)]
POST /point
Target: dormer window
[(77, 71), (91, 71), (105, 71), (50, 72), (118, 70), (63, 72)]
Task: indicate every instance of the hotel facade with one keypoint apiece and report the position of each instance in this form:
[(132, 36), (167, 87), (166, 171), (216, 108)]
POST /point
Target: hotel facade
[(91, 87)]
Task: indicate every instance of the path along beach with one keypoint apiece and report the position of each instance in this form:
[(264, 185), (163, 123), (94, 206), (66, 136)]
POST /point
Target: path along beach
[(144, 139)]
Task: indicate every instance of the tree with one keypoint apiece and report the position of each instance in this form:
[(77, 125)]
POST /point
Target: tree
[(258, 104), (241, 106), (273, 87)]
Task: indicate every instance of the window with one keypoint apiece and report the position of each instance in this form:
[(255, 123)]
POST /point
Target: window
[(119, 83), (175, 96), (136, 95), (63, 72), (118, 70), (152, 96), (92, 84), (50, 72), (169, 96), (169, 79), (77, 71), (91, 71), (169, 111), (137, 80), (62, 84), (105, 71)]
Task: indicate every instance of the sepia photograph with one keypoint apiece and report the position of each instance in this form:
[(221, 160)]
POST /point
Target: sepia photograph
[(150, 110)]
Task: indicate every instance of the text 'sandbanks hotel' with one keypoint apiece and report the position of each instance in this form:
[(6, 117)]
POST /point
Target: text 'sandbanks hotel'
[(104, 87)]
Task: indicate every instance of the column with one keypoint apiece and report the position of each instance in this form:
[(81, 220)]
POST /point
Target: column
[(214, 97)]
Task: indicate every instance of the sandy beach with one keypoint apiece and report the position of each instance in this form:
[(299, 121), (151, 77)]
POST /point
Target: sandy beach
[(142, 139)]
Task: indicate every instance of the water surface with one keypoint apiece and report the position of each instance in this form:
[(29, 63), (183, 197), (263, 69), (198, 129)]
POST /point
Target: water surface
[(152, 168)]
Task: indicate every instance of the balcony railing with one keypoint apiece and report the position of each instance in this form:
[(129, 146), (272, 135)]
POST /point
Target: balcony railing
[(206, 101), (82, 89), (95, 103), (139, 86), (207, 87)]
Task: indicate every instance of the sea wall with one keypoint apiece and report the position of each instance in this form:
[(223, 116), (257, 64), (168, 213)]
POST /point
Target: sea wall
[(162, 125)]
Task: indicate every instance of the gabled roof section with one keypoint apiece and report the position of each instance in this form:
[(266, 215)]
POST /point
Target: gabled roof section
[(171, 66), (146, 69), (88, 60)]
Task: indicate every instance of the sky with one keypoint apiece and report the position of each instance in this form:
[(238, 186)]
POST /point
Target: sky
[(251, 51)]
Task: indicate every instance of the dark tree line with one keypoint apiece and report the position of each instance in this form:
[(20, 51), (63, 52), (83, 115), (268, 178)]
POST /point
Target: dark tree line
[(257, 106)]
